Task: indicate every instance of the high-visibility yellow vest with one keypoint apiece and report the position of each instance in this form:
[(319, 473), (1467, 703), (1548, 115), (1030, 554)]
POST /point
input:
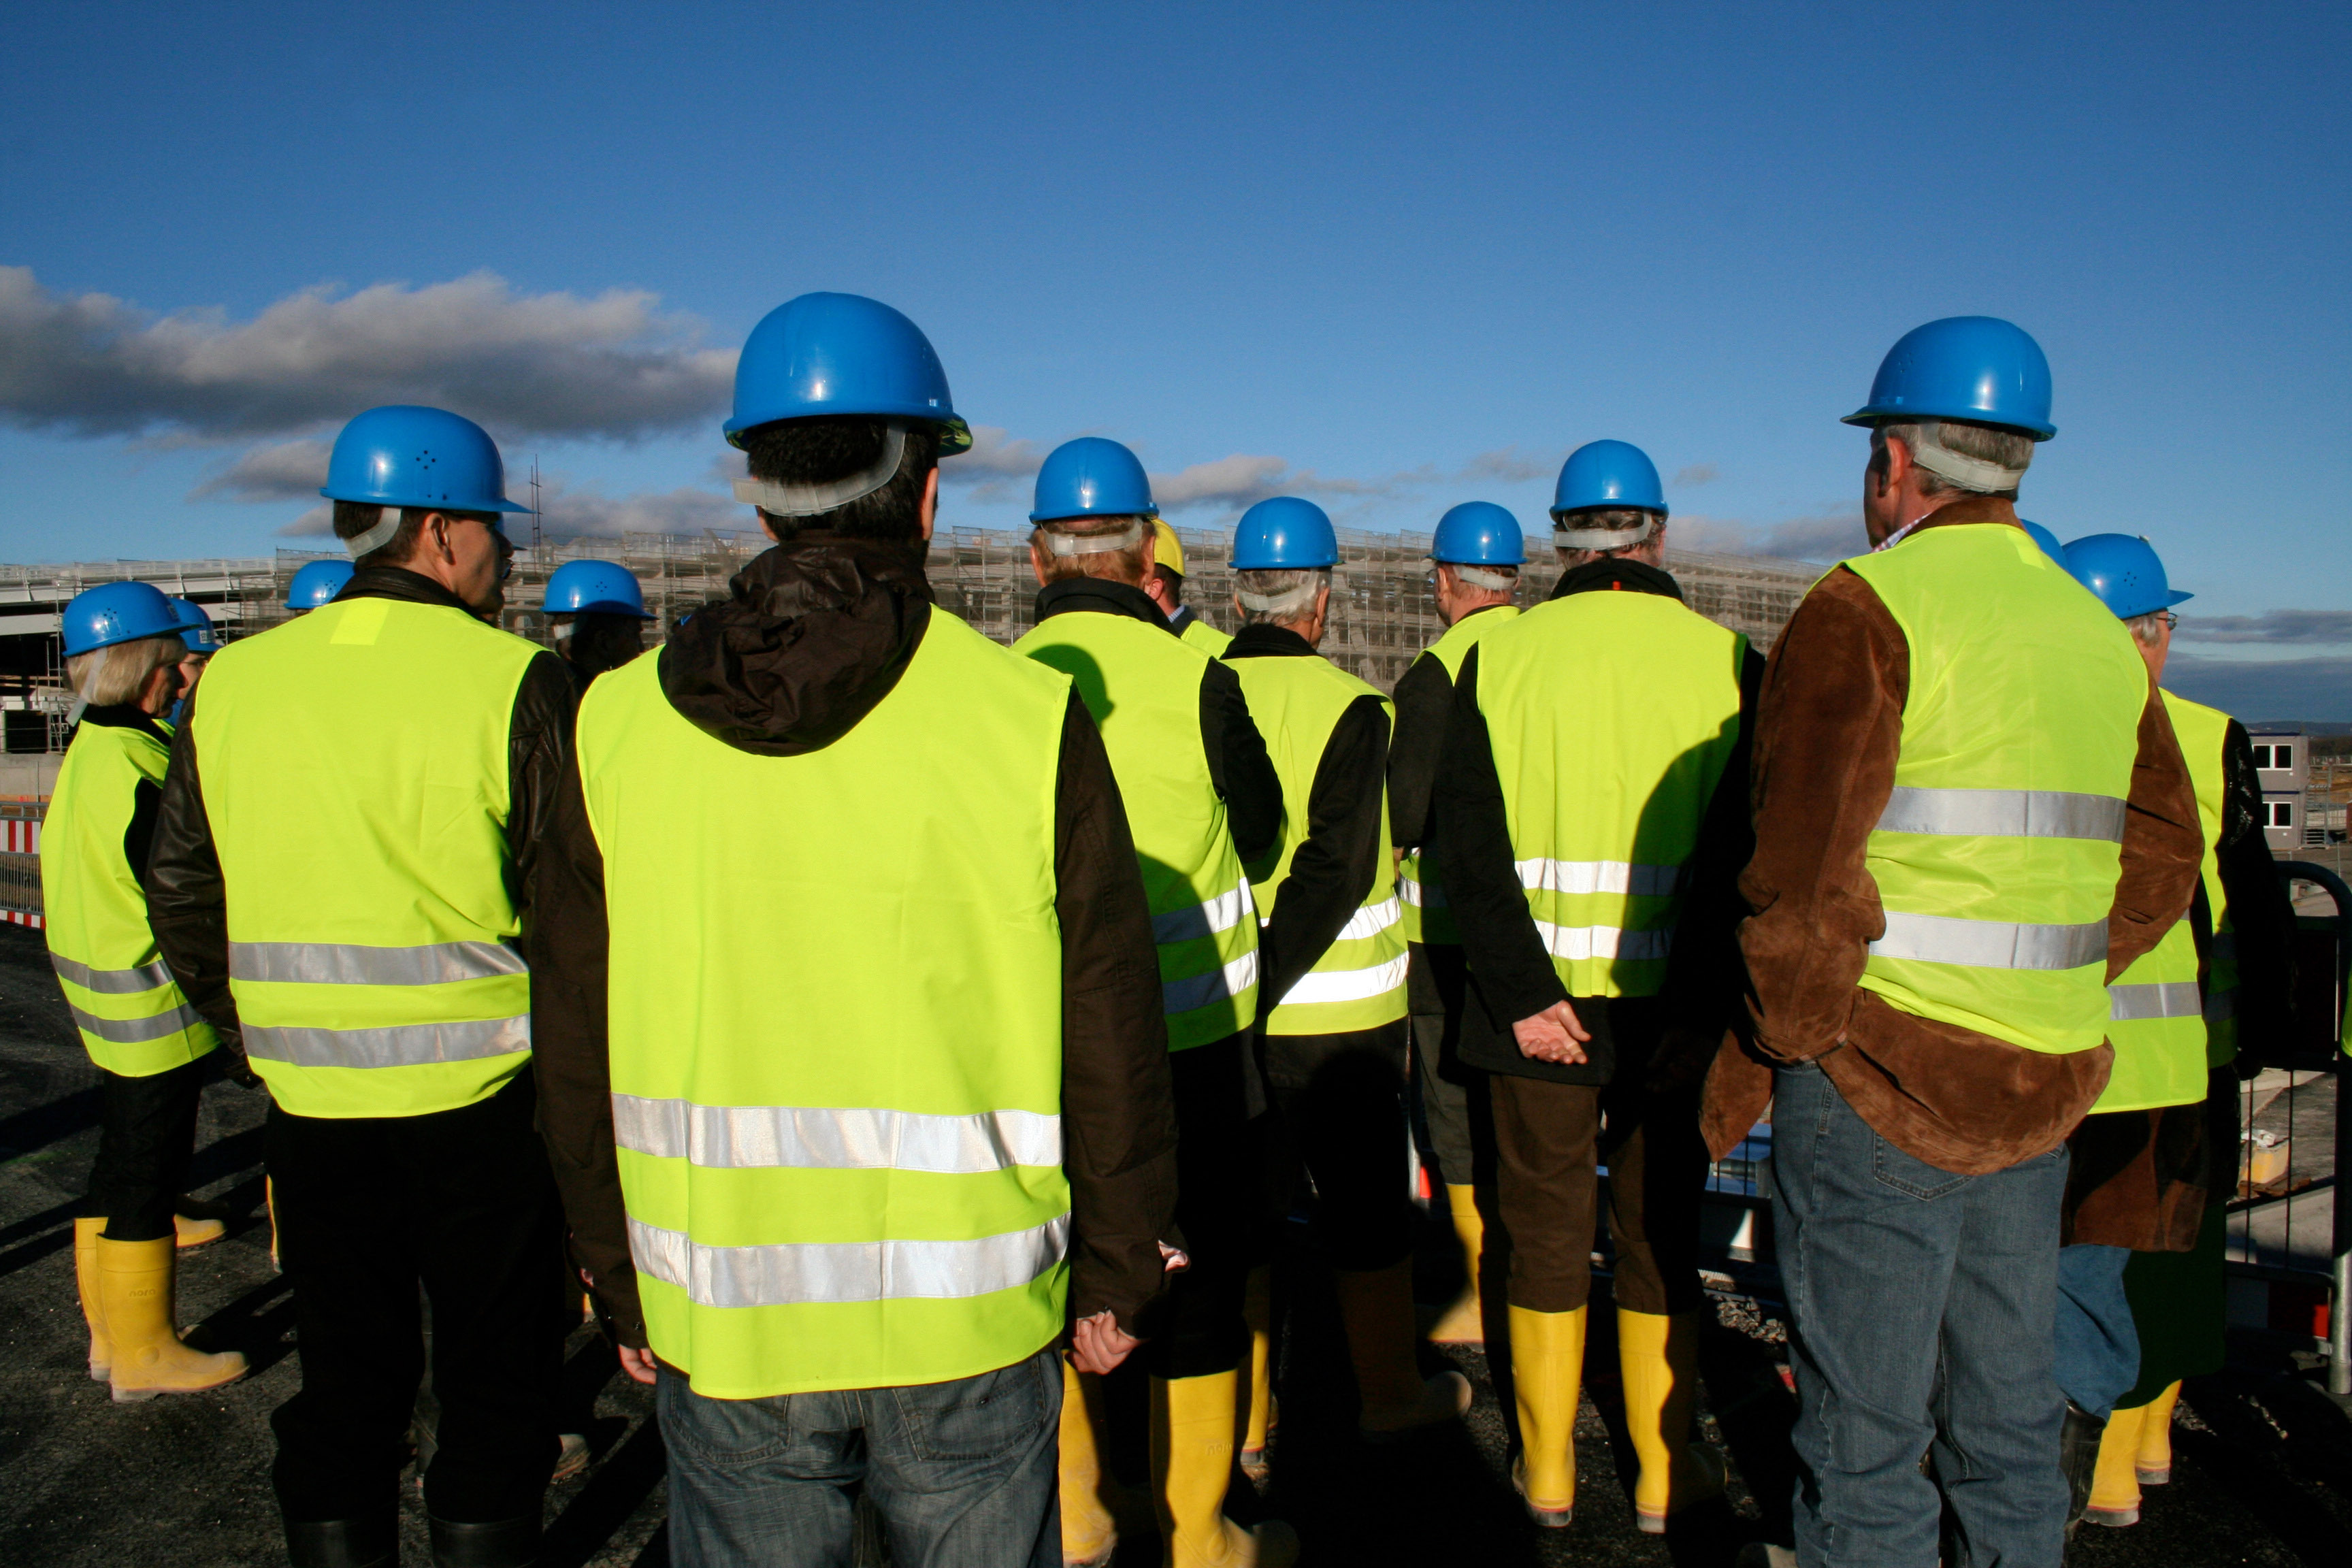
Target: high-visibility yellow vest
[(1611, 717), (1143, 688), (1359, 982), (2203, 733), (355, 766), (132, 1015), (836, 1013), (1206, 637), (1997, 855), (1421, 886)]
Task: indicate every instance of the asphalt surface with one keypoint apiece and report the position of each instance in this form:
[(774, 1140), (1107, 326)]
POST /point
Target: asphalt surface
[(2262, 1471)]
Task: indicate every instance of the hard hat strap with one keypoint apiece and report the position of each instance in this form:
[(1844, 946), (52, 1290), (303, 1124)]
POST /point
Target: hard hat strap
[(779, 499), (1287, 602), (1126, 538), (1602, 538), (376, 537), (1969, 473), (1480, 577)]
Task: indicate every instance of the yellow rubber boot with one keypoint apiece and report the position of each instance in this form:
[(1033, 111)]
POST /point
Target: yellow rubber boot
[(101, 1352), (1376, 1305), (269, 1200), (2154, 1461), (1465, 1322), (134, 1289), (1658, 1357), (1192, 1461), (1547, 1378), (1258, 1416), (2114, 1489), (186, 1232), (1089, 1533)]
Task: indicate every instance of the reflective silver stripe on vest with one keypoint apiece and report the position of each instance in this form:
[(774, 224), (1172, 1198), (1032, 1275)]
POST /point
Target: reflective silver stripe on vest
[(1541, 876), (1991, 945), (113, 982), (344, 963), (2004, 814), (1202, 989), (792, 1274), (1348, 985), (1372, 920), (1221, 913), (138, 1031), (816, 1138), (1604, 942), (398, 1046), (2165, 999), (1421, 895), (2221, 1007)]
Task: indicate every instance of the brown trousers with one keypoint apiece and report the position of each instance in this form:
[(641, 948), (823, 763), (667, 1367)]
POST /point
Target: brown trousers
[(1548, 1138)]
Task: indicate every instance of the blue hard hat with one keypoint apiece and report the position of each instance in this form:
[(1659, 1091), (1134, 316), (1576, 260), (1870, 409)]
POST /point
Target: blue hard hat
[(1479, 534), (1978, 368), (1285, 533), (116, 612), (404, 454), (594, 588), (841, 353), (2124, 572), (1092, 478), (1609, 474), (316, 584), (2047, 540), (196, 627)]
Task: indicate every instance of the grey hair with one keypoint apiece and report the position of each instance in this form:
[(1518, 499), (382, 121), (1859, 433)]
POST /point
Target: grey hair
[(1615, 519), (2148, 628), (2010, 449), (109, 677), (1290, 593), (1121, 563)]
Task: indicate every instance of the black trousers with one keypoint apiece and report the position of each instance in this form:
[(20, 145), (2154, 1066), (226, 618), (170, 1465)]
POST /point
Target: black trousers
[(462, 1202), (1451, 1097), (1197, 1328), (1341, 1103), (146, 1136)]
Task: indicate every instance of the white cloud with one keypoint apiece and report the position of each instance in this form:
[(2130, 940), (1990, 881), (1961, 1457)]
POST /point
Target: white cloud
[(1823, 537), (287, 470), (2270, 626), (567, 513), (1695, 475), (614, 366)]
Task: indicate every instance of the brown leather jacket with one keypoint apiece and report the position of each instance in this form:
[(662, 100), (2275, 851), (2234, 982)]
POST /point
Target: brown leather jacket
[(1829, 731)]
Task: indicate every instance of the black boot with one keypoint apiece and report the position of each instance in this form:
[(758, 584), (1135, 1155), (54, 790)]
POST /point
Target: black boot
[(344, 1543), (2078, 1456), (504, 1543)]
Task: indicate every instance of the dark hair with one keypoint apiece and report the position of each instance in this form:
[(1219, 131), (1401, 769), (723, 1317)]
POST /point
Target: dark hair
[(1175, 581), (819, 451), (353, 518)]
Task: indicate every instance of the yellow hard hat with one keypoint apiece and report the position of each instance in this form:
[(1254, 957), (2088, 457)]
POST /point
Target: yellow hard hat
[(1167, 550)]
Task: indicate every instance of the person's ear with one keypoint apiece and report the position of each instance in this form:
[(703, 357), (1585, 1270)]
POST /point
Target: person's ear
[(1036, 557), (1894, 463), (928, 511)]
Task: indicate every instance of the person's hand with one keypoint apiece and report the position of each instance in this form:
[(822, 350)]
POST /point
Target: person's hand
[(1099, 1344), (1552, 1036), (1173, 1260), (637, 1364)]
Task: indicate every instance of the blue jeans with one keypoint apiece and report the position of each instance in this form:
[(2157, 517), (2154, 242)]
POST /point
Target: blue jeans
[(1921, 1306), (2098, 1349), (963, 1472)]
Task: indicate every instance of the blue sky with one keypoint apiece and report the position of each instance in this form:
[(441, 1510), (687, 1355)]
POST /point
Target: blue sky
[(1390, 257)]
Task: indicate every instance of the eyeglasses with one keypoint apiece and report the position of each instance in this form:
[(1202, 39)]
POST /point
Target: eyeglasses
[(2172, 619)]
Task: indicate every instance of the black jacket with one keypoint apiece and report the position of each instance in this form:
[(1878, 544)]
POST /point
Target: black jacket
[(187, 902), (814, 634), (1238, 766), (1424, 703), (2262, 916), (1511, 971), (1333, 869)]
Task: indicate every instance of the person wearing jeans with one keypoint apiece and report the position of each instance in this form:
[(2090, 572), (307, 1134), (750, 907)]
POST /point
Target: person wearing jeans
[(1971, 815)]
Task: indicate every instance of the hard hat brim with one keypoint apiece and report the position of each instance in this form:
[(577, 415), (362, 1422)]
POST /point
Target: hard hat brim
[(955, 436), (1876, 414), (605, 609), (426, 503)]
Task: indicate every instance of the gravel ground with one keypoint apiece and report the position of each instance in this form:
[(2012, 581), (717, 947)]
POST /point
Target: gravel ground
[(2262, 1471)]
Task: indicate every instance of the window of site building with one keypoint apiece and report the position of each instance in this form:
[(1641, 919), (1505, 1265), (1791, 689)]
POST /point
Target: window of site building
[(2281, 813), (2273, 759)]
